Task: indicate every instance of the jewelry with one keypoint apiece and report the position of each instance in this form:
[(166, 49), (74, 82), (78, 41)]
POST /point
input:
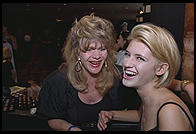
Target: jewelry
[(78, 65), (72, 126), (184, 83), (106, 64)]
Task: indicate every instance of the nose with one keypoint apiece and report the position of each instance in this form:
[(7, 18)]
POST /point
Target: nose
[(96, 54), (128, 61)]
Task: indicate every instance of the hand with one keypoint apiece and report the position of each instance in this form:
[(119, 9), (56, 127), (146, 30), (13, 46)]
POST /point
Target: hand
[(176, 85), (190, 91), (121, 41), (104, 117), (33, 90), (76, 129)]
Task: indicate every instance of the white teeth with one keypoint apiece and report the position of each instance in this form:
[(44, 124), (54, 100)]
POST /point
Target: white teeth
[(94, 62), (131, 73)]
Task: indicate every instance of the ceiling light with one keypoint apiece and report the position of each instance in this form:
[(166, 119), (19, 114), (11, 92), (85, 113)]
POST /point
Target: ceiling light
[(141, 12)]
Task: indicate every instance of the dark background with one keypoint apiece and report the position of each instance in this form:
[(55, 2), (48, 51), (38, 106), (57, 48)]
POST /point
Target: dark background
[(36, 16)]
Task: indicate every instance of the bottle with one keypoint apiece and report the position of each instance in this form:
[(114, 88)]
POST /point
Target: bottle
[(33, 106), (25, 103), (20, 103), (29, 102), (12, 105), (5, 108), (16, 95)]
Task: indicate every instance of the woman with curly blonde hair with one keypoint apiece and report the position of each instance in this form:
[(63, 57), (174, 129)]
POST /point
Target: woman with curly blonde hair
[(87, 81)]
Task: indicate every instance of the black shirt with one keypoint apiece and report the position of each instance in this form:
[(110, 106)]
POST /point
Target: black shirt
[(92, 109), (59, 100)]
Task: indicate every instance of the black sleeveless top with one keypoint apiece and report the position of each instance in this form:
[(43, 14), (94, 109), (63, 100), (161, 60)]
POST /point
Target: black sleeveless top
[(157, 127)]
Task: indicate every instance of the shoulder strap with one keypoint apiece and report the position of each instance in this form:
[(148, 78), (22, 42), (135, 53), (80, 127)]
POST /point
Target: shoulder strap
[(177, 105)]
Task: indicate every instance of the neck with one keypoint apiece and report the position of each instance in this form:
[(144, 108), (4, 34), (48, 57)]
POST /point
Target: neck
[(91, 79), (147, 93)]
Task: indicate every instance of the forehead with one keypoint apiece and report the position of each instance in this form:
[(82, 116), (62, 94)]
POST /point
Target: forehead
[(94, 44), (138, 47)]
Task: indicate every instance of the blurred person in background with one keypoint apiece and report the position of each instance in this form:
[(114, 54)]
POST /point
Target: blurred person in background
[(8, 75)]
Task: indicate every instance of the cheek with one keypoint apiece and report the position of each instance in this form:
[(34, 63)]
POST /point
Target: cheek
[(125, 61), (146, 70), (104, 54), (84, 56)]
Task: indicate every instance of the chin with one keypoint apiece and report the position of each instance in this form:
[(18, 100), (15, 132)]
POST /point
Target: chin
[(94, 71), (127, 83)]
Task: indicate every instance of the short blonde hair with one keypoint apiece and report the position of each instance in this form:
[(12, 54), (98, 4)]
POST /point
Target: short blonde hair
[(7, 55), (87, 29), (163, 47)]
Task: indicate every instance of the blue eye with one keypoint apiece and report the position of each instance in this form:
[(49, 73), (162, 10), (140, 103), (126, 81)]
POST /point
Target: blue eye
[(140, 58)]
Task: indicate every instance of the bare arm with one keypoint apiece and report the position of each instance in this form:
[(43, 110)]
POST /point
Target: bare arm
[(189, 88), (175, 85), (190, 91), (61, 125), (15, 45), (123, 115), (126, 115), (14, 75), (120, 43)]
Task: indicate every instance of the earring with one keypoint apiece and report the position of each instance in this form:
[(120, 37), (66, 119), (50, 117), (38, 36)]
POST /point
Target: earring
[(106, 64), (78, 67)]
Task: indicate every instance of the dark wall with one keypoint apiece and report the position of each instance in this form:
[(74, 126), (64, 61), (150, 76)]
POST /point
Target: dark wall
[(170, 16)]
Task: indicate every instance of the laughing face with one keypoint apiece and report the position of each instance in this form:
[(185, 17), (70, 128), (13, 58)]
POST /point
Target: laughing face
[(93, 59), (138, 65)]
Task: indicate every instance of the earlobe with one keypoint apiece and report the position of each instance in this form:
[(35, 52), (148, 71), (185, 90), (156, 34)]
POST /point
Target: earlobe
[(163, 67)]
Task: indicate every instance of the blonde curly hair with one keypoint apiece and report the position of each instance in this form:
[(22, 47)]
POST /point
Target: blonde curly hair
[(87, 29)]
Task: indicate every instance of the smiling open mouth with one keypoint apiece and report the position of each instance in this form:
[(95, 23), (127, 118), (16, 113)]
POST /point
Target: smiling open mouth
[(129, 74), (95, 63)]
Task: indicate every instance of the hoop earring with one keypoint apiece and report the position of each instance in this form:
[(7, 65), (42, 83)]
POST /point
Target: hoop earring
[(78, 65)]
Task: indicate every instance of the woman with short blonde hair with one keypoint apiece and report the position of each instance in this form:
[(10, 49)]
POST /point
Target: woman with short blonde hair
[(150, 63), (163, 47)]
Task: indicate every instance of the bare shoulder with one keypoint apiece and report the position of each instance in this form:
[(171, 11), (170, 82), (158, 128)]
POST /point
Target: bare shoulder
[(171, 117)]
